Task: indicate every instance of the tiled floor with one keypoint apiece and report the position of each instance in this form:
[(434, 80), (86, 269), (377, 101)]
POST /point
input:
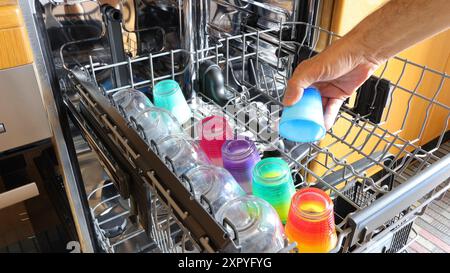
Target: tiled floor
[(433, 227)]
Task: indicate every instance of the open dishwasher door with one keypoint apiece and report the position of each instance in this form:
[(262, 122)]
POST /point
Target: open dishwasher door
[(142, 202)]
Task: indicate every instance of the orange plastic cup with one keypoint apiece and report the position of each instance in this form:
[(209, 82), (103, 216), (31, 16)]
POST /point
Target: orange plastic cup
[(310, 221)]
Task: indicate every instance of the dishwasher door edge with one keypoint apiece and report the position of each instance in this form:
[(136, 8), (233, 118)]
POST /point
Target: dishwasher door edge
[(68, 163)]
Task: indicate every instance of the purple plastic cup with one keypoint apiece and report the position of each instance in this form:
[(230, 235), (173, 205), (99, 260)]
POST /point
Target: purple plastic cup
[(239, 157)]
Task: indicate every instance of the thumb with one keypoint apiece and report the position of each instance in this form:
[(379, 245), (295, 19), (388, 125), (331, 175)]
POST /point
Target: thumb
[(303, 77)]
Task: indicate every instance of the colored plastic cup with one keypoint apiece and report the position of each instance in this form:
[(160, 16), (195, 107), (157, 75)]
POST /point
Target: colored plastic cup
[(131, 102), (212, 186), (167, 94), (183, 153), (239, 157), (310, 221), (214, 131), (272, 181), (253, 223), (303, 122), (157, 123)]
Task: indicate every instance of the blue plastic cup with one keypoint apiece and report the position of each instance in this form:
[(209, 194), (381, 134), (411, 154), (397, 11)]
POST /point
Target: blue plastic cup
[(303, 121), (167, 94)]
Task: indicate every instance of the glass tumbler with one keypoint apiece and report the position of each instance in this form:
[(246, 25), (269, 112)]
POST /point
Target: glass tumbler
[(157, 123), (183, 153), (253, 223), (239, 157), (215, 184), (131, 102), (310, 221), (272, 181), (213, 132), (167, 94)]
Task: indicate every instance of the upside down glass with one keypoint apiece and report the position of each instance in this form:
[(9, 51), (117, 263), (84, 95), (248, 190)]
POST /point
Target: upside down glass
[(214, 131), (311, 221), (215, 184), (157, 123), (303, 121), (239, 157), (272, 181), (132, 102), (183, 153), (258, 227), (167, 94)]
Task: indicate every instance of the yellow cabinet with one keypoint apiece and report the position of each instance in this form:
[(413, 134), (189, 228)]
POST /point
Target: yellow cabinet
[(14, 44)]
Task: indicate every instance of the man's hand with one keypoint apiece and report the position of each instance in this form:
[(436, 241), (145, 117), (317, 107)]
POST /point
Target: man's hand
[(344, 66), (337, 73)]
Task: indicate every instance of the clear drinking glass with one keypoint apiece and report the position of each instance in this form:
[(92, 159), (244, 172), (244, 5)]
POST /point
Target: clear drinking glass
[(215, 184), (131, 102), (157, 123), (183, 153), (258, 227)]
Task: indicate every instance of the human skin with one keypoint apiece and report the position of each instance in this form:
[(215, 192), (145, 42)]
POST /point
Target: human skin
[(347, 63)]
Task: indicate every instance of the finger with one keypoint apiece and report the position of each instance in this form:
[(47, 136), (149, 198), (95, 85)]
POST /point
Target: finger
[(324, 102), (294, 92), (302, 78), (331, 111)]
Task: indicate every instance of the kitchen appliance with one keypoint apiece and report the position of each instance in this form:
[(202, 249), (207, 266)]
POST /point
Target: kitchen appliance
[(379, 187)]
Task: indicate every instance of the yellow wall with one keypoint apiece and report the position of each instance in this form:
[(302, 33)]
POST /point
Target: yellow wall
[(348, 13)]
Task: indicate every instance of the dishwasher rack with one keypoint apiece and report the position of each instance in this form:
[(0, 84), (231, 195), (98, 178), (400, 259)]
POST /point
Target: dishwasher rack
[(379, 185)]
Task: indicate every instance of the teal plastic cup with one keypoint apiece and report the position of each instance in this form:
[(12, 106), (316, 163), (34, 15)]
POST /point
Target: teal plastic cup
[(167, 94), (303, 121), (272, 181)]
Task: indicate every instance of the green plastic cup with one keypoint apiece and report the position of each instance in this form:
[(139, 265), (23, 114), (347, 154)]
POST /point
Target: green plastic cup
[(272, 181), (167, 94)]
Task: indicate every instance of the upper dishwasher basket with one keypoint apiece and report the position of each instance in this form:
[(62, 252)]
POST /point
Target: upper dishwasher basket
[(380, 172)]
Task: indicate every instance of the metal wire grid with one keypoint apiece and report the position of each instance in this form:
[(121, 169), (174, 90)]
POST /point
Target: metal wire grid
[(166, 232), (108, 244), (169, 234), (401, 223), (402, 152)]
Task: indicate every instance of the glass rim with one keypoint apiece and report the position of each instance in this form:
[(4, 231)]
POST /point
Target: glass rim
[(314, 216), (180, 137), (251, 148), (254, 219), (190, 174), (259, 178)]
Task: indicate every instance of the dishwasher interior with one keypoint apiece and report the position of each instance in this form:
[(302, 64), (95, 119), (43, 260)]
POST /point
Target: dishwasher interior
[(379, 179)]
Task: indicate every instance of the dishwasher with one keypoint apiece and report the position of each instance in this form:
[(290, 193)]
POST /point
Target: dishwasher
[(233, 59)]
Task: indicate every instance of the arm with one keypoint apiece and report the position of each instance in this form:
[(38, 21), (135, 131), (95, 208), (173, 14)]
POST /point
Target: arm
[(345, 65)]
